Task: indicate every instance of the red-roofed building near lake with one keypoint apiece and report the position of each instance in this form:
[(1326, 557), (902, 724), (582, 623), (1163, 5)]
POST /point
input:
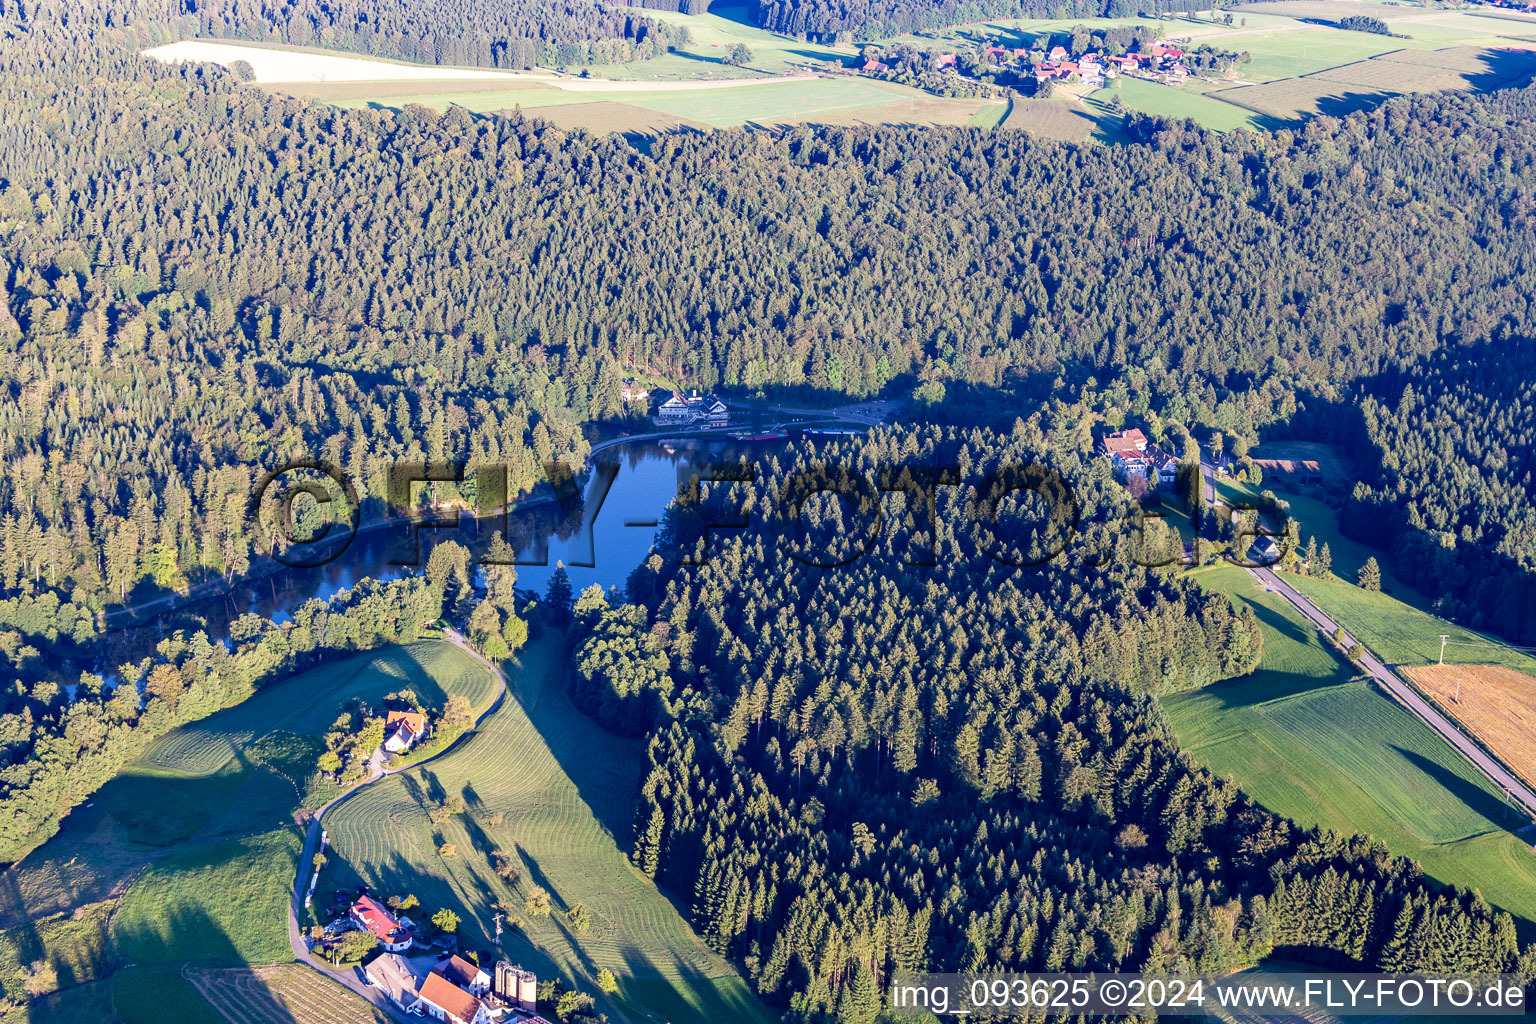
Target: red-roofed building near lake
[(372, 916), (403, 730)]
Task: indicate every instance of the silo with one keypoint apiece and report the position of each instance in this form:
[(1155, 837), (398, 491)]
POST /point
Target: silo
[(527, 991), (505, 984)]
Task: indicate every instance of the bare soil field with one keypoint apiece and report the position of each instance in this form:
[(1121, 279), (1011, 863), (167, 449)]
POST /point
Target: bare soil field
[(1497, 705)]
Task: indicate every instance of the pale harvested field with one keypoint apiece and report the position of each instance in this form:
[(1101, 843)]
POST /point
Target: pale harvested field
[(606, 116), (1331, 10), (921, 111), (1504, 62), (1498, 706), (275, 65), (1384, 75)]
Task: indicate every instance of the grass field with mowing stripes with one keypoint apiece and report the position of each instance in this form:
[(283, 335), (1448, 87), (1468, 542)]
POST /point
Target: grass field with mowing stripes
[(284, 994), (1306, 739), (566, 789)]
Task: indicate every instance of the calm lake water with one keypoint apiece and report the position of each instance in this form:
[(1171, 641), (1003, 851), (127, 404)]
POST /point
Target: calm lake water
[(602, 539)]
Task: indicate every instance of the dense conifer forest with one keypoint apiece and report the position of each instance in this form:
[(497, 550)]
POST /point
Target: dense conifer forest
[(960, 766), (855, 770), (487, 33), (1454, 498), (202, 279)]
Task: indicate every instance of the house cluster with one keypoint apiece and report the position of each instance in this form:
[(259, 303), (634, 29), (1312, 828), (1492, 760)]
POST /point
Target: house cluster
[(404, 729), (693, 408), (1131, 456), (1094, 68), (457, 990)]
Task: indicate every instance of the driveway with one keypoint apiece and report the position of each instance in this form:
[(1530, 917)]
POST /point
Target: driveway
[(350, 978)]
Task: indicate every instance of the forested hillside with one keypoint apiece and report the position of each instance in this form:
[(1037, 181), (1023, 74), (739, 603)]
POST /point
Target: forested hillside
[(487, 33), (890, 766), (56, 751), (1454, 499), (202, 279)]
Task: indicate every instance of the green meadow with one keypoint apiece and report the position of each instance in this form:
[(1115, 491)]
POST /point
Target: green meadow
[(201, 834), (1308, 740), (1400, 634), (545, 784)]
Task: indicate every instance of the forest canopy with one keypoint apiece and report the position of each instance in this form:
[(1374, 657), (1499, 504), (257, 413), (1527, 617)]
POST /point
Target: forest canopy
[(202, 280), (959, 765)]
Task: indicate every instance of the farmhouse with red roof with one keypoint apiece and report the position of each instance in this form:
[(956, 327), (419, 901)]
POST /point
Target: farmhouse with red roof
[(372, 916), (442, 999)]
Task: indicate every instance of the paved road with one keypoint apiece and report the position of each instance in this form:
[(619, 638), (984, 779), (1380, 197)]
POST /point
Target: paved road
[(1512, 786), (350, 978)]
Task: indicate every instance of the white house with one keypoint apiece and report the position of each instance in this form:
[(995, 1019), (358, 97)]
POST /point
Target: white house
[(682, 410), (372, 916), (403, 730), (441, 999), (392, 975), (464, 974)]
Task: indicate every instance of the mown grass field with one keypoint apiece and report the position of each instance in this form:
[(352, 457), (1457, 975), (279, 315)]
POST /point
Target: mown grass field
[(282, 994), (712, 36), (191, 826), (160, 994), (1306, 739), (226, 902), (1173, 101), (1062, 118), (243, 771), (1400, 634), (566, 789)]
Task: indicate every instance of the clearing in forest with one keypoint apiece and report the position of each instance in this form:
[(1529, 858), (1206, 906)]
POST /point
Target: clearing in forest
[(547, 787)]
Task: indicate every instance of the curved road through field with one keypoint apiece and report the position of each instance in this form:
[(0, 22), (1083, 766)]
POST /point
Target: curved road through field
[(1512, 787), (351, 977)]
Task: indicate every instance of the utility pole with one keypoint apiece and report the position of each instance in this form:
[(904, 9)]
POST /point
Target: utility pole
[(1443, 639), (498, 926)]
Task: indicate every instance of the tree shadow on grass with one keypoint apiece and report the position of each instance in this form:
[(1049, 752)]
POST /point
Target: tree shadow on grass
[(1475, 797)]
